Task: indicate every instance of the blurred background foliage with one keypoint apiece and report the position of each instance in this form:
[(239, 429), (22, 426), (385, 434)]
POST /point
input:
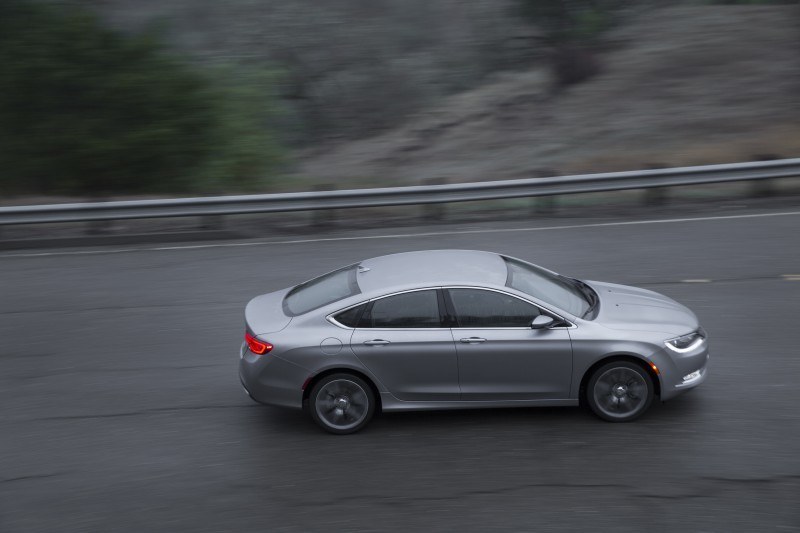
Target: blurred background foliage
[(571, 29), (90, 111), (752, 2), (564, 21), (220, 95)]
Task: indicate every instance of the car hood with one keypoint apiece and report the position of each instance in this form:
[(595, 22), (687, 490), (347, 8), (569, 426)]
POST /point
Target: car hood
[(264, 314), (631, 308)]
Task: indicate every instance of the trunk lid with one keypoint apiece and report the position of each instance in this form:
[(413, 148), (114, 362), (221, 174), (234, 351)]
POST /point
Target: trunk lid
[(264, 314)]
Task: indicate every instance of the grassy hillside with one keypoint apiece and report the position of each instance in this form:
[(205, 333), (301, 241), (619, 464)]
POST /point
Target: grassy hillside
[(349, 68), (386, 91)]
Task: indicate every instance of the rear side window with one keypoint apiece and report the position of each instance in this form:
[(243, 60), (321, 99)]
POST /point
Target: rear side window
[(321, 291), (476, 308), (350, 317), (418, 309)]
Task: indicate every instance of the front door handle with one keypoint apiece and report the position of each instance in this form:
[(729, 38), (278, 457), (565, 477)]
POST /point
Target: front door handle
[(376, 342), (473, 340)]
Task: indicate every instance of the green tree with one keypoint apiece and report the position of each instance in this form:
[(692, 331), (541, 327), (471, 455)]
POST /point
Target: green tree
[(86, 110), (246, 152), (571, 29), (755, 2), (564, 21)]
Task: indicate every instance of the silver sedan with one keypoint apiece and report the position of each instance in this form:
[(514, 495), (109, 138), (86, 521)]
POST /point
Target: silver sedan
[(455, 329)]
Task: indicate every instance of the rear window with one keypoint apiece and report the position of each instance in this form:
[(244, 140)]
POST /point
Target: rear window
[(321, 291)]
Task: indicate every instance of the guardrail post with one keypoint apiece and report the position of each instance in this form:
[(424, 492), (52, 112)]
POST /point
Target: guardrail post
[(433, 212), (212, 222), (765, 187), (323, 217), (544, 205), (99, 227), (656, 196)]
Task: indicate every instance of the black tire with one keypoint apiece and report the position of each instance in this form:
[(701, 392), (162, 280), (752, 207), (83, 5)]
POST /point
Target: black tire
[(620, 391), (341, 403)]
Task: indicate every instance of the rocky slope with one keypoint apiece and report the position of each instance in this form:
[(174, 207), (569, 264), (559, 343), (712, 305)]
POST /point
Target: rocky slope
[(682, 85)]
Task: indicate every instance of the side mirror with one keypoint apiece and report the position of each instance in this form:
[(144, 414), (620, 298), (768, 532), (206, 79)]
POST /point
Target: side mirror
[(542, 322)]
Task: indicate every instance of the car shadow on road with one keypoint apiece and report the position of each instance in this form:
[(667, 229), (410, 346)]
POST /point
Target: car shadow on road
[(685, 408)]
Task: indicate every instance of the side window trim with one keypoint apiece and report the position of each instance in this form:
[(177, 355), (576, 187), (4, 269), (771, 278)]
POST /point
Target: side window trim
[(450, 309), (543, 310), (361, 313), (366, 314), (447, 318), (447, 315)]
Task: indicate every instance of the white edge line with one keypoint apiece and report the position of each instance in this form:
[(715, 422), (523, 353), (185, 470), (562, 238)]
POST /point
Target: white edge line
[(396, 236)]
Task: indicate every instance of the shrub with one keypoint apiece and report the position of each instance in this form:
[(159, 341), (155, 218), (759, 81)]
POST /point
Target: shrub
[(570, 21), (86, 110), (571, 28)]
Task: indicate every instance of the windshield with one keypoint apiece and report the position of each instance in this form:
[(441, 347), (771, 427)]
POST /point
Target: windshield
[(549, 287), (320, 291)]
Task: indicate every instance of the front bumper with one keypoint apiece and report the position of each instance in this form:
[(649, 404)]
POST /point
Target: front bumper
[(693, 366), (693, 379)]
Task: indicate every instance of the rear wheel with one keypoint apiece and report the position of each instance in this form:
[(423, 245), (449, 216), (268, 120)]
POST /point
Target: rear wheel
[(341, 403), (620, 391)]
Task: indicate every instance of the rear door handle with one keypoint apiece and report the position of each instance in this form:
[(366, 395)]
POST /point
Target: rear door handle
[(473, 340), (376, 342)]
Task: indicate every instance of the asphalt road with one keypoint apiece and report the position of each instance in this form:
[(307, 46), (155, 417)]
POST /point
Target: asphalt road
[(120, 407)]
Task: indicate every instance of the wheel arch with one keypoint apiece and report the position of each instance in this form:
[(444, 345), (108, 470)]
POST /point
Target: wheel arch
[(636, 359), (342, 370)]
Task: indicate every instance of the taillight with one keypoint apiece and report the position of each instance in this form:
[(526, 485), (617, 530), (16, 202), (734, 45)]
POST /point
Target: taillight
[(255, 345)]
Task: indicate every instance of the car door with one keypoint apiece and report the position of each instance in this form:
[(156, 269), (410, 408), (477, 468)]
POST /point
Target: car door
[(401, 339), (499, 356)]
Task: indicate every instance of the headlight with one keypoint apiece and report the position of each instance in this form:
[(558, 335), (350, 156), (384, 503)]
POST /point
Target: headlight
[(687, 343)]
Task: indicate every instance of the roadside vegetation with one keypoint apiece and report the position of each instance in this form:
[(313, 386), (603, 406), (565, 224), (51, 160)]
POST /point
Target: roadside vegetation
[(85, 110), (231, 96)]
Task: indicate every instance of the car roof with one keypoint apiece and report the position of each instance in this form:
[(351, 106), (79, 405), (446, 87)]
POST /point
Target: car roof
[(431, 267)]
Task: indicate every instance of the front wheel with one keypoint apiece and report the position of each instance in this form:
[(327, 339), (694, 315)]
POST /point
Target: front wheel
[(620, 391), (342, 403)]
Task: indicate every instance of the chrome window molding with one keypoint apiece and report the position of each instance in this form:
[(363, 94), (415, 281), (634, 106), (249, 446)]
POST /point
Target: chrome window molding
[(330, 316)]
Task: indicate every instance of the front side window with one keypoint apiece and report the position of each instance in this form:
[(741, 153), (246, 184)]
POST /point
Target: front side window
[(418, 309), (321, 291), (475, 308)]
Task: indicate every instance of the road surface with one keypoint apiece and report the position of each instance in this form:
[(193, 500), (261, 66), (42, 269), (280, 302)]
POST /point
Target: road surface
[(120, 407)]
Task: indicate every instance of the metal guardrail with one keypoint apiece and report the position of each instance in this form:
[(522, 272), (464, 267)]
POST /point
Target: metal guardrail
[(397, 196)]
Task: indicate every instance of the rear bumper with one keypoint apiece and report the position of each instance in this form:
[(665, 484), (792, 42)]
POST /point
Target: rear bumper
[(271, 380)]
